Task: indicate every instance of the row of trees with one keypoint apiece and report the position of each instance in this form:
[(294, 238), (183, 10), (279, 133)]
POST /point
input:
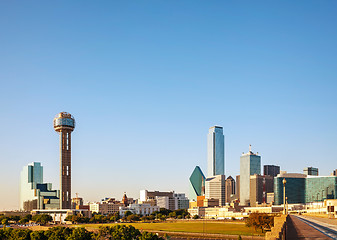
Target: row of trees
[(122, 232), (39, 218), (161, 215)]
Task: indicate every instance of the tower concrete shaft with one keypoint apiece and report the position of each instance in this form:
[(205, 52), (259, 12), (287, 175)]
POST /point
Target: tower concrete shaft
[(65, 169)]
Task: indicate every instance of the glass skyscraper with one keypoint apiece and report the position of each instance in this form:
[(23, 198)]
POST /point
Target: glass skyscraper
[(30, 176), (215, 152), (34, 194), (197, 184), (250, 164)]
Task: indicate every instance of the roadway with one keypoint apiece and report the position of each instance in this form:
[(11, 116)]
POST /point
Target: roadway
[(304, 227)]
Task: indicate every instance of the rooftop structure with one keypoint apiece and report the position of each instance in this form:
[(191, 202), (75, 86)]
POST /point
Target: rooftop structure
[(64, 124), (310, 171), (271, 170)]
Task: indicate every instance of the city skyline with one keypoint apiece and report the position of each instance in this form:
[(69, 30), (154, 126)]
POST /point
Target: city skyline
[(145, 82)]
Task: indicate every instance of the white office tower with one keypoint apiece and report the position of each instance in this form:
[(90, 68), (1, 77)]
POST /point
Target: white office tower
[(215, 152), (250, 164), (215, 188)]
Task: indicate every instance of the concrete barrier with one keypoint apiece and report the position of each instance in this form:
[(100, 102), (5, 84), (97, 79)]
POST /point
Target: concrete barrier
[(278, 232)]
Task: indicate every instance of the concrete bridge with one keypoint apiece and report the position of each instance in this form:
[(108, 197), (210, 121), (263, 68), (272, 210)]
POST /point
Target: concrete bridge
[(294, 227)]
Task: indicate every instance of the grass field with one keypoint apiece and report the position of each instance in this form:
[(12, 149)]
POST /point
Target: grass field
[(230, 228)]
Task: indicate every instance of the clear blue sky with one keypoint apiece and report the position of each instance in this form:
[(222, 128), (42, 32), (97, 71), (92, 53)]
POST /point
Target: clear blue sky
[(146, 79)]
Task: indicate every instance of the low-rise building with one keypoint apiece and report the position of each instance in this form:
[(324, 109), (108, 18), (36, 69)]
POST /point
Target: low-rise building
[(59, 215), (216, 212), (105, 208), (140, 209), (182, 201), (168, 200)]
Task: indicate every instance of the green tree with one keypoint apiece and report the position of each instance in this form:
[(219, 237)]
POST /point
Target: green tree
[(6, 233), (121, 232), (58, 233), (42, 218), (172, 215), (133, 218), (4, 221), (261, 221), (79, 234), (21, 234), (23, 220), (127, 213), (15, 218), (38, 235)]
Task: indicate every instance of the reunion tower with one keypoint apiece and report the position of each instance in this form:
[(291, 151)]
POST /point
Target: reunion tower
[(64, 123)]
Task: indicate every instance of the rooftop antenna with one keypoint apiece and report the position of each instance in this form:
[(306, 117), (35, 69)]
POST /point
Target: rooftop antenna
[(250, 147)]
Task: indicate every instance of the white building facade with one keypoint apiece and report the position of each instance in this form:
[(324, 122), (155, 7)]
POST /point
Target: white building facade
[(215, 188), (140, 209)]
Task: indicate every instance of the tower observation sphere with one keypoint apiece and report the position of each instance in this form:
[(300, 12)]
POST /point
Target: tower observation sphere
[(64, 123)]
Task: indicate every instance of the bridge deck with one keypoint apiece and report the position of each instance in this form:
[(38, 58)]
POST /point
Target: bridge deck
[(298, 229)]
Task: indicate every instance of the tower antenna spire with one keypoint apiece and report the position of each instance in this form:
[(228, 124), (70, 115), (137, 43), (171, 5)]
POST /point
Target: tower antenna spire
[(250, 147)]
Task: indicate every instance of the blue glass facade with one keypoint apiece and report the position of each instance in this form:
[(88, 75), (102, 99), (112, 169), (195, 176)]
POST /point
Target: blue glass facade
[(320, 188), (295, 190), (302, 189), (215, 152)]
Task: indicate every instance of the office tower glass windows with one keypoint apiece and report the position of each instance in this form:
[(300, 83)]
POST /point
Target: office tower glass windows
[(215, 152), (250, 164)]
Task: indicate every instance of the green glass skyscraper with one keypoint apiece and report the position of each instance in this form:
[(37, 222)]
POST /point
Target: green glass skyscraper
[(197, 184)]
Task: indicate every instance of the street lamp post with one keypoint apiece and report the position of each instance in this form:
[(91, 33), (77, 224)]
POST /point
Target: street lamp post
[(284, 196)]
